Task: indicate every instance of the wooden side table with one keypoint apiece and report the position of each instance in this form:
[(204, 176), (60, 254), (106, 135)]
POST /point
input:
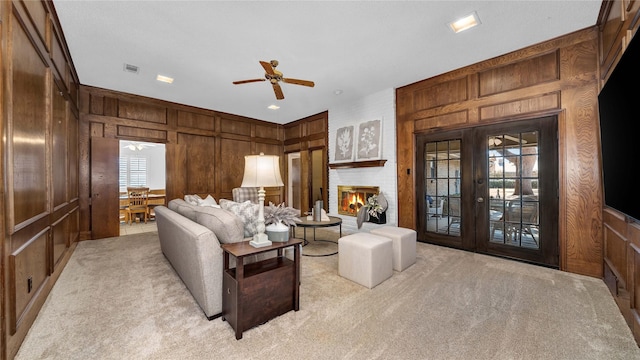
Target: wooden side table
[(255, 293)]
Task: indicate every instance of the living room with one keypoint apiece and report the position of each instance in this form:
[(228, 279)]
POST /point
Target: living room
[(45, 226)]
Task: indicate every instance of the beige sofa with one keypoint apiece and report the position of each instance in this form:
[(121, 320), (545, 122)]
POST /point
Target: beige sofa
[(190, 238)]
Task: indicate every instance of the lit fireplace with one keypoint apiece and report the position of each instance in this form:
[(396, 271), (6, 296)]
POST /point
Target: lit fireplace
[(352, 198)]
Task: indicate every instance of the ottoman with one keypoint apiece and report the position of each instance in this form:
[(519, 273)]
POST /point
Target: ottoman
[(365, 258), (404, 245)]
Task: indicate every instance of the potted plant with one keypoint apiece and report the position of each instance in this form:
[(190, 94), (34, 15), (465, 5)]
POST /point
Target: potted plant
[(376, 210), (277, 219)]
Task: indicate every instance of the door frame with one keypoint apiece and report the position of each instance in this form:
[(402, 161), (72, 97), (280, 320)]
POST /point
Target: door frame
[(548, 190), (463, 241), (474, 231), (105, 190)]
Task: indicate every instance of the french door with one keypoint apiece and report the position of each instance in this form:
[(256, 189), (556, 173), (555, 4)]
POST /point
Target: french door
[(482, 189)]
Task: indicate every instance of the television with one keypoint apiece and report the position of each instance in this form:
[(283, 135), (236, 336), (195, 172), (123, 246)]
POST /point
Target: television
[(619, 108)]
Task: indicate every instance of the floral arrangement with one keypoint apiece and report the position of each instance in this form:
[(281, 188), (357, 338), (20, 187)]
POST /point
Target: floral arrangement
[(274, 214), (374, 208)]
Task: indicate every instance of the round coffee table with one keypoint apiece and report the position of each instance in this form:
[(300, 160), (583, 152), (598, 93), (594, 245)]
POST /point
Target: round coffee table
[(306, 223)]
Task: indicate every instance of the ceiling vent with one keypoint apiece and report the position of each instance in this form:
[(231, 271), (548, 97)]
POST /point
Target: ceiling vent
[(131, 68)]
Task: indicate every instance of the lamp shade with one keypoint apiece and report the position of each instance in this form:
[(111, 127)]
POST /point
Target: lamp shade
[(262, 171)]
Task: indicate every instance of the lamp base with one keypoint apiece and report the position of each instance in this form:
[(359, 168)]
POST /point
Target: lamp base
[(260, 240)]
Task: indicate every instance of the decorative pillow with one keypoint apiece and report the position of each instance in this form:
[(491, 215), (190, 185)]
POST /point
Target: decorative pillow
[(227, 226), (192, 199), (248, 213), (208, 201)]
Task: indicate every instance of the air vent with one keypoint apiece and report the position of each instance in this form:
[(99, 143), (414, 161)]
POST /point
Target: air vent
[(131, 68)]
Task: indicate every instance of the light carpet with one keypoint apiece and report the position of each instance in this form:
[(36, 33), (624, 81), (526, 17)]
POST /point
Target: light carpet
[(119, 298)]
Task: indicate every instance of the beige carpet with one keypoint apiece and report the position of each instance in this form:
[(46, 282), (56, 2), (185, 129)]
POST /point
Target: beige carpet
[(119, 298)]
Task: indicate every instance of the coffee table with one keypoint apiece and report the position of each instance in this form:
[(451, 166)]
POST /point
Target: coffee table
[(306, 223)]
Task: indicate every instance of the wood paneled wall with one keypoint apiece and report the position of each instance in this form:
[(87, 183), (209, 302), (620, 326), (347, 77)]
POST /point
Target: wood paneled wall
[(560, 77), (204, 149), (39, 122), (619, 22), (304, 136)]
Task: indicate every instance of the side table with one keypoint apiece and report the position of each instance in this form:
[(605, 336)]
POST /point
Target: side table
[(305, 223), (255, 293)]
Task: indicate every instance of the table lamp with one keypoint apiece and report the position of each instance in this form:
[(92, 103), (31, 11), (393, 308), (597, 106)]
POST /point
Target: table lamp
[(260, 171)]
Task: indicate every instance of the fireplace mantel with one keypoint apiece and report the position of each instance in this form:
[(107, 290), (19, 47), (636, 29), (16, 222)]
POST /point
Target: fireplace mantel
[(357, 164)]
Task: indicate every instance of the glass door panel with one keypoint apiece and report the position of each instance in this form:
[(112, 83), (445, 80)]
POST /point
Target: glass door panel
[(442, 187), (513, 189)]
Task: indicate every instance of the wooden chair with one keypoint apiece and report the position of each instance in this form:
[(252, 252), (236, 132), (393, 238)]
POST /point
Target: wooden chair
[(138, 203)]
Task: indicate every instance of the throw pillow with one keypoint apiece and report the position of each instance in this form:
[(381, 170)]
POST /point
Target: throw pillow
[(248, 213), (192, 199), (208, 201), (227, 226)]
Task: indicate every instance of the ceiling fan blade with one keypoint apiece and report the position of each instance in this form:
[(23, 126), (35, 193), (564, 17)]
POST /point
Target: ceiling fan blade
[(267, 67), (278, 90), (247, 81), (299, 82)]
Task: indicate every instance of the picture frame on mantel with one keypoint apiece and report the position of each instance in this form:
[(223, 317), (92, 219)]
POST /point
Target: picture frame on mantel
[(369, 140), (344, 144)]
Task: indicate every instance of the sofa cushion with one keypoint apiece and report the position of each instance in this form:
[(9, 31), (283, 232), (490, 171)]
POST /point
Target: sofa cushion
[(227, 226), (247, 211), (183, 208)]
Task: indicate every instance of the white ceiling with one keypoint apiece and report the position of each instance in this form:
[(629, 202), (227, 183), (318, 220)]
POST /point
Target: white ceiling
[(359, 47)]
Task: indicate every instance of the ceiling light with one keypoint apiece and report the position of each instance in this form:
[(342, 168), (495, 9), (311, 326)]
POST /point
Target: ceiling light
[(273, 107), (163, 78), (465, 23), (338, 92)]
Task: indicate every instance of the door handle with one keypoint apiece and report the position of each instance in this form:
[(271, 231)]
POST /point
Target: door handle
[(480, 199)]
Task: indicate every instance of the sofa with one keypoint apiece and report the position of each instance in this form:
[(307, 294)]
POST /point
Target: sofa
[(190, 238)]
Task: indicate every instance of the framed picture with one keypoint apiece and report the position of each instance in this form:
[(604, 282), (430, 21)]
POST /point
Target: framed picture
[(344, 144), (369, 140)]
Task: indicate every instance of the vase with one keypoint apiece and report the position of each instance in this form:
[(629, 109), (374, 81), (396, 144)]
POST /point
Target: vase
[(277, 232), (381, 219)]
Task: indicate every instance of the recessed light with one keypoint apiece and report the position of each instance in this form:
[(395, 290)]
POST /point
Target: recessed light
[(465, 23), (273, 107), (163, 78)]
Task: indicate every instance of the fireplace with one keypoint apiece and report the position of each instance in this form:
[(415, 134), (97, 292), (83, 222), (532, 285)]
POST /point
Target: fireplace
[(352, 198)]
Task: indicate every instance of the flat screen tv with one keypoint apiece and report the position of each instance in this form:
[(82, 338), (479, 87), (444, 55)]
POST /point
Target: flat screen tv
[(619, 107)]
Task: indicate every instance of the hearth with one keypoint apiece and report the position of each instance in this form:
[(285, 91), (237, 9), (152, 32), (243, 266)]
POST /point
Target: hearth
[(352, 198)]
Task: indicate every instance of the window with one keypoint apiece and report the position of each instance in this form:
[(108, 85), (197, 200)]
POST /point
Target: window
[(133, 171)]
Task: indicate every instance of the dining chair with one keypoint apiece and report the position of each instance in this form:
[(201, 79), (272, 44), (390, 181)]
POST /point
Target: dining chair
[(453, 212), (138, 203), (436, 208)]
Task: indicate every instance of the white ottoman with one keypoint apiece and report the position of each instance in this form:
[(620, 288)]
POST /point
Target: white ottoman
[(404, 245), (365, 258)]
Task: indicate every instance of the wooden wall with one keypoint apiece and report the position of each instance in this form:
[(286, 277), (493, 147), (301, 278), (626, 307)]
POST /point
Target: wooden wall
[(48, 122), (205, 149), (560, 77), (619, 22), (305, 136), (39, 122)]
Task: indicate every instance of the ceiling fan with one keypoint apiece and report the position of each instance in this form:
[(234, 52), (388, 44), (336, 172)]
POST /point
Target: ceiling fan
[(274, 77)]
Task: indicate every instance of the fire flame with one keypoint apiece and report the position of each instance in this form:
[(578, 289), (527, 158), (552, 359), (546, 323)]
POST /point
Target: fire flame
[(351, 203)]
